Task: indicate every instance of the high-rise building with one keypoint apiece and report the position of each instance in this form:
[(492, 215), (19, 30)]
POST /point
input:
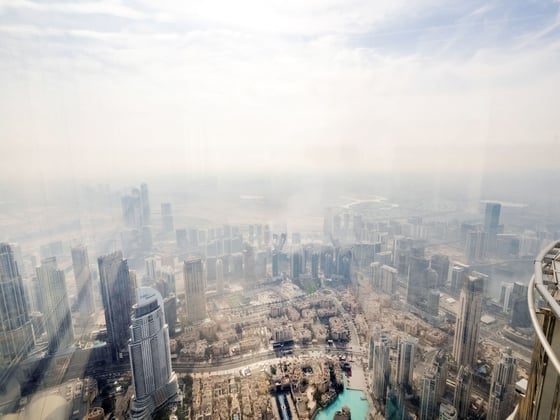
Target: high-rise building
[(440, 363), (296, 264), (405, 361), (145, 203), (468, 320), (462, 394), (219, 276), (541, 396), (491, 224), (505, 297), (16, 331), (248, 264), (502, 389), (54, 303), (84, 283), (166, 217), (152, 268), (520, 317), (429, 398), (440, 264), (457, 272), (433, 386), (315, 265), (116, 294), (132, 209), (195, 288), (381, 366), (476, 245), (394, 405), (155, 384), (389, 277), (422, 293), (375, 275), (136, 207), (167, 275)]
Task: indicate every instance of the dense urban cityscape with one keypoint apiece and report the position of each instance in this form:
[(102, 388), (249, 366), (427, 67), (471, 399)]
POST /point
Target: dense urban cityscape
[(279, 210), (373, 310)]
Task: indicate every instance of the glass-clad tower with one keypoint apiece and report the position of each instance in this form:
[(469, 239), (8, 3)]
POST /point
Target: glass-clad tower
[(16, 332), (468, 319), (116, 293)]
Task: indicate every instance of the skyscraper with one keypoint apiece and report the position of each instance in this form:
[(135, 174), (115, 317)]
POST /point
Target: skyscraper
[(468, 320), (136, 207), (116, 294), (456, 275), (315, 265), (145, 203), (296, 264), (16, 331), (462, 394), (491, 224), (440, 263), (381, 367), (422, 281), (82, 275), (405, 362), (195, 288), (429, 399), (502, 389), (520, 317), (54, 303), (166, 217), (155, 383), (433, 386), (219, 276), (476, 245)]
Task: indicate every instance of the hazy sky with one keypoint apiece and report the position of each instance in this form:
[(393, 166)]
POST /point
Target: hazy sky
[(115, 87)]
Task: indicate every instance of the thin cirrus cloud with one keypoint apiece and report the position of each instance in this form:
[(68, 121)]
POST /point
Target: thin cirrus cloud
[(250, 85)]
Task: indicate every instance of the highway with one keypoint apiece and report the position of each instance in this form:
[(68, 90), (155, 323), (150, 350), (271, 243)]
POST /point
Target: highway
[(243, 361)]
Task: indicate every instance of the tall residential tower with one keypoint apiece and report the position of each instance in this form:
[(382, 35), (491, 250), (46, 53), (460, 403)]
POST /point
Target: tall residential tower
[(502, 390), (16, 332), (155, 383), (195, 288), (468, 320), (116, 294)]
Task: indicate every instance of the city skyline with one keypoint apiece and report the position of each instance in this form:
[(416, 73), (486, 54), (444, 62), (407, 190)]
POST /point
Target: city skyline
[(368, 278), (279, 210)]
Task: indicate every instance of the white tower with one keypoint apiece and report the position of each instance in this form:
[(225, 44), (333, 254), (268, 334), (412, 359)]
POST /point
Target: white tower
[(155, 383)]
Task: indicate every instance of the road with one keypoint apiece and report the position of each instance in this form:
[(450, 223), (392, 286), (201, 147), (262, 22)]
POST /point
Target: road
[(240, 362)]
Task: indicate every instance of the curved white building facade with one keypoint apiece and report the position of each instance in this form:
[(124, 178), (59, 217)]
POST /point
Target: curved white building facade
[(155, 383)]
